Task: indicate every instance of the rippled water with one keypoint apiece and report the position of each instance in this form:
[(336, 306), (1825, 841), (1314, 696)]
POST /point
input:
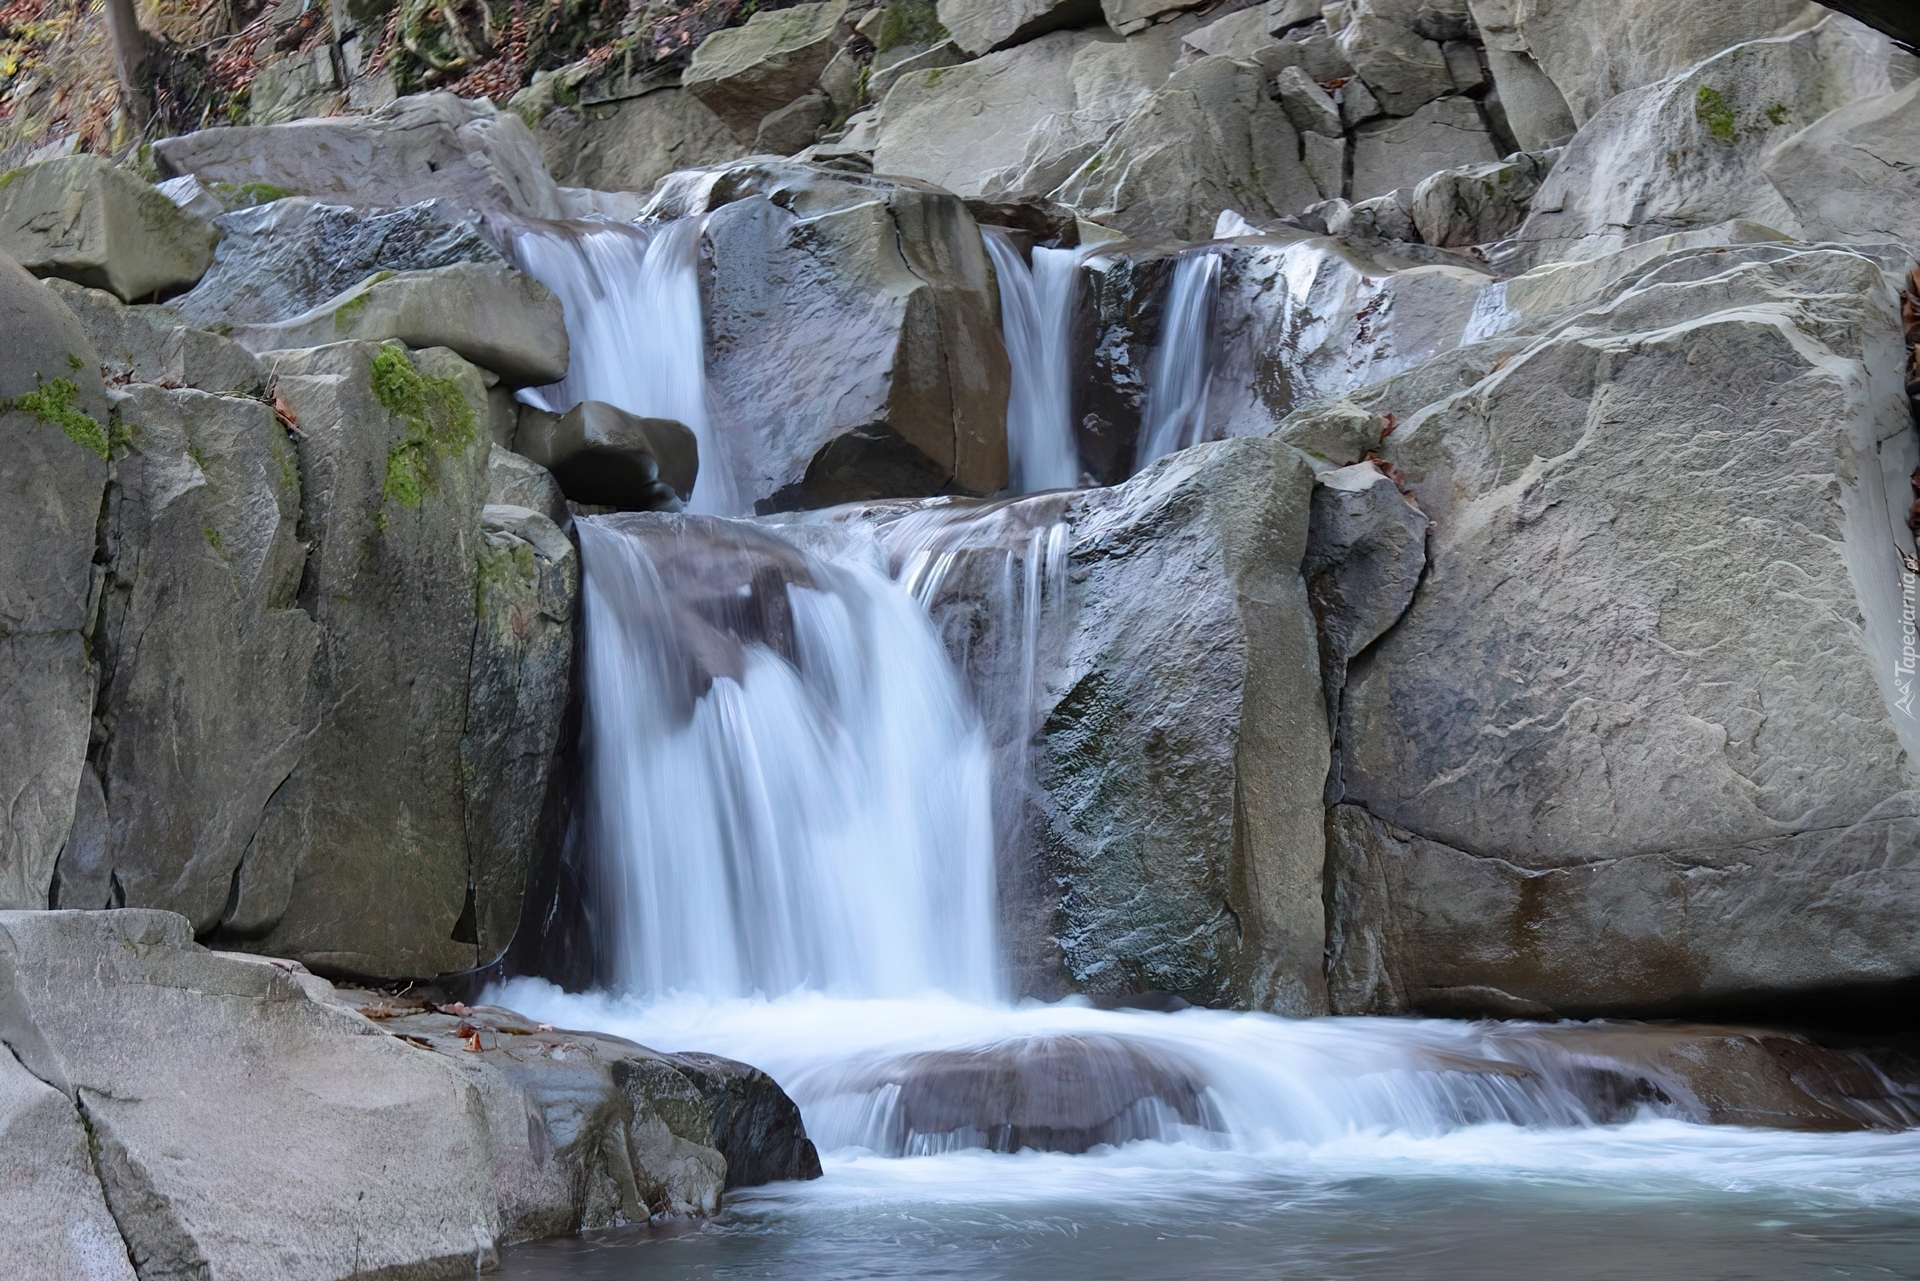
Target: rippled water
[(1352, 1149)]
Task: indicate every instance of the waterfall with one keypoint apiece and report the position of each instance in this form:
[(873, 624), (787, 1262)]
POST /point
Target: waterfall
[(632, 299), (1181, 371), (1036, 318), (786, 784)]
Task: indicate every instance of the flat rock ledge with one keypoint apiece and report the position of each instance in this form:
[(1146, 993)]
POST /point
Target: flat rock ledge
[(166, 1110)]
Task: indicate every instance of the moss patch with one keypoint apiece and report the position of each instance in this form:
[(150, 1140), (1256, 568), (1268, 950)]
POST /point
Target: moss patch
[(1713, 111), (912, 22), (439, 422), (1777, 113), (349, 311), (53, 402)]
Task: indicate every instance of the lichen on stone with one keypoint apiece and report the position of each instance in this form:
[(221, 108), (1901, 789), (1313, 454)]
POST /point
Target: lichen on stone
[(439, 422)]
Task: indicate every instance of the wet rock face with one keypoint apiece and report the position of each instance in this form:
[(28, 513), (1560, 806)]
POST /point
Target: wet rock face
[(1049, 1094)]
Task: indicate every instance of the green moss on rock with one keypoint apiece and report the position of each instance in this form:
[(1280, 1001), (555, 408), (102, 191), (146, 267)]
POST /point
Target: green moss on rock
[(53, 402), (1712, 109), (439, 422)]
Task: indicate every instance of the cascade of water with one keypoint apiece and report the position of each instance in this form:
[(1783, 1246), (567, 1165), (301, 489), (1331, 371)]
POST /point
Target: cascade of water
[(1181, 371), (632, 301), (1036, 318), (786, 784)]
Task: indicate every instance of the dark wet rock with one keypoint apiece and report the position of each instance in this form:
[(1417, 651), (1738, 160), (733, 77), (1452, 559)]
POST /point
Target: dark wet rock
[(754, 1124), (603, 456)]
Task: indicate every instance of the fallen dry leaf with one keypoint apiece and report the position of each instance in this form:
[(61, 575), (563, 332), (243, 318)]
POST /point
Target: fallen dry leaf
[(384, 1010)]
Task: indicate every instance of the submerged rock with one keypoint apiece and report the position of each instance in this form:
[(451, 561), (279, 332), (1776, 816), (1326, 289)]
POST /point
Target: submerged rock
[(1048, 1093), (85, 220)]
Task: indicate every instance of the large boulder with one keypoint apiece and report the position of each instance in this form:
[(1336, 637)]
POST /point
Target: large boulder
[(416, 148), (54, 442), (1400, 153), (204, 654), (87, 220), (1210, 139), (288, 256), (1017, 123), (982, 26), (1402, 69), (1854, 174), (272, 1131), (1478, 204), (631, 144), (889, 275), (1640, 742), (1594, 50), (492, 315), (1686, 151), (1166, 776), (743, 73), (361, 863)]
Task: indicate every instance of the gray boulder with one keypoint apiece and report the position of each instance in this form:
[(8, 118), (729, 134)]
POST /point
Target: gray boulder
[(416, 148), (53, 474), (361, 862), (517, 690), (1854, 174), (506, 322), (889, 275), (152, 345), (86, 220), (631, 144), (982, 26), (1129, 17), (295, 87), (783, 132), (280, 259), (606, 457), (1478, 204), (939, 56), (1588, 772), (1395, 153), (1017, 123), (1238, 35), (1211, 139), (1687, 151), (1594, 50), (1168, 769), (60, 1226), (743, 73), (1307, 105), (204, 657), (1403, 70), (514, 481), (279, 1134)]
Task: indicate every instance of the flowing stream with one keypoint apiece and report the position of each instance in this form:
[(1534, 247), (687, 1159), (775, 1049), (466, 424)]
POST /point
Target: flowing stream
[(789, 802), (1181, 370), (1036, 318)]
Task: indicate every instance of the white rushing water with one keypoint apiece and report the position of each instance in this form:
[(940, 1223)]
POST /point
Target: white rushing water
[(787, 786), (1036, 319), (634, 328), (1181, 370)]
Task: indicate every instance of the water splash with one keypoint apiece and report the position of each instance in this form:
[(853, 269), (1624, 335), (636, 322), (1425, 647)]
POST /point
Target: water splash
[(632, 298), (1036, 319), (786, 785), (1181, 371)]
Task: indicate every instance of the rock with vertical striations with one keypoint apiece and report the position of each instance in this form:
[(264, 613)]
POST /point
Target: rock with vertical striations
[(53, 474)]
